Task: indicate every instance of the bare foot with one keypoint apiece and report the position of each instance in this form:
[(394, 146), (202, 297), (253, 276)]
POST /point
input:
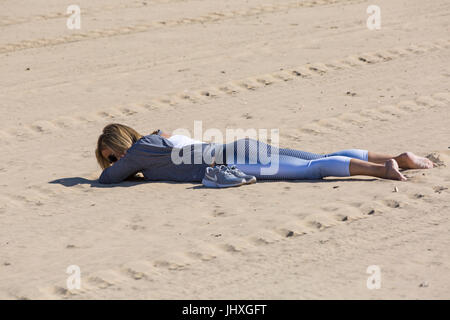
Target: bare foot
[(409, 160), (392, 171)]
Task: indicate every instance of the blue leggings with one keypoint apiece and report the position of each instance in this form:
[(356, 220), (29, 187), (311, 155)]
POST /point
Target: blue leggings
[(268, 162)]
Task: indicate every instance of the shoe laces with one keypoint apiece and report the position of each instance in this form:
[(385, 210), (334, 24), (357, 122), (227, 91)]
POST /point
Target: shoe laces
[(225, 169)]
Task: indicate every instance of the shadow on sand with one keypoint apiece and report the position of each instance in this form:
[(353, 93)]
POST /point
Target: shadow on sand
[(74, 181), (329, 180)]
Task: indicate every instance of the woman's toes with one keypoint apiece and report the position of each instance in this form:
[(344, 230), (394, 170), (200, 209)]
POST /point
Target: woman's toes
[(425, 163)]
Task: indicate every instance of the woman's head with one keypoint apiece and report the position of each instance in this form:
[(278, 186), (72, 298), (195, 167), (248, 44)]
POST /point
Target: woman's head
[(114, 142)]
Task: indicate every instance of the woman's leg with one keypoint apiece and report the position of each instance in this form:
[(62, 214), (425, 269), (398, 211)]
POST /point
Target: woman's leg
[(406, 160), (361, 163), (387, 170), (248, 156), (283, 167), (291, 168), (351, 153)]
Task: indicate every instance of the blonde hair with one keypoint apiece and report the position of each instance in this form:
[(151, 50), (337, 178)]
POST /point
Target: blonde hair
[(117, 137)]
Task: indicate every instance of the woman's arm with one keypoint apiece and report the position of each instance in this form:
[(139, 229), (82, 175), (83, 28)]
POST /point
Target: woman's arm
[(121, 170), (138, 157)]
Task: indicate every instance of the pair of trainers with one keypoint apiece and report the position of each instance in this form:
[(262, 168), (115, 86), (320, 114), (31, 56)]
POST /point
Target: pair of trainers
[(223, 177)]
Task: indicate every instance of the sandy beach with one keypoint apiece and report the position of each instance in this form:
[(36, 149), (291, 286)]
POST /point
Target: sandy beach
[(311, 69)]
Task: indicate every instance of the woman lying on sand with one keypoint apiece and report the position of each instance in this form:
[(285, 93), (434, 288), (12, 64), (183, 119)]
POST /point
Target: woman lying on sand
[(122, 152)]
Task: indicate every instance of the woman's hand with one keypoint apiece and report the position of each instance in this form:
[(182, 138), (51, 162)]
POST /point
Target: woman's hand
[(165, 135)]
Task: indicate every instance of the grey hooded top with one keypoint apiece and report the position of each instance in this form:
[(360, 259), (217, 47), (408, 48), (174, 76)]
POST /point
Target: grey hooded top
[(152, 155)]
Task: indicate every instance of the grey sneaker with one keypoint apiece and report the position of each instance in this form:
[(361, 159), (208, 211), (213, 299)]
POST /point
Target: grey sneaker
[(249, 179), (217, 177)]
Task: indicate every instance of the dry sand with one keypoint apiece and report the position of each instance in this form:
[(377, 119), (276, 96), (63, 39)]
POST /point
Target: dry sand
[(309, 68)]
